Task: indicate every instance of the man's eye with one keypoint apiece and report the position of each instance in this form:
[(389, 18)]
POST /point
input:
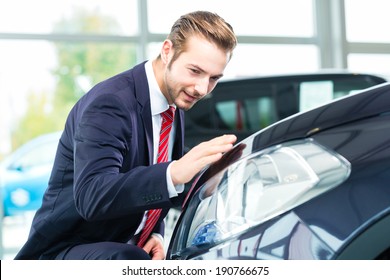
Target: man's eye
[(195, 71)]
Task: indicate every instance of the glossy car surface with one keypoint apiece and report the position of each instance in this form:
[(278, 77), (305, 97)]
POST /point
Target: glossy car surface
[(245, 105), (315, 185), (24, 174)]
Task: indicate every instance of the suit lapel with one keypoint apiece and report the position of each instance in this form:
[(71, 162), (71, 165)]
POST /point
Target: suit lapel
[(179, 139), (143, 98)]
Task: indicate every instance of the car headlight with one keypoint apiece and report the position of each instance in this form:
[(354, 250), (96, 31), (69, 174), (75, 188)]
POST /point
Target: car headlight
[(256, 189)]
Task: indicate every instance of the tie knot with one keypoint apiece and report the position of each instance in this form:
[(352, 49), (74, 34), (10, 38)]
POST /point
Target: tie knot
[(168, 114)]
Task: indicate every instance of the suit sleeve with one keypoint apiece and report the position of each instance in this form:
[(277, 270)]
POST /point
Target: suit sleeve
[(103, 136)]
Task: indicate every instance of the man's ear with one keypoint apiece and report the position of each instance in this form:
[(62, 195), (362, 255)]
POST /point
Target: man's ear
[(167, 51)]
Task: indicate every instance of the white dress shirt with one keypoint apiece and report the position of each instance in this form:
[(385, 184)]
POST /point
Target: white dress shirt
[(159, 104)]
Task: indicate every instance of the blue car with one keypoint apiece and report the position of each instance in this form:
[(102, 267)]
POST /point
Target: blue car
[(24, 174)]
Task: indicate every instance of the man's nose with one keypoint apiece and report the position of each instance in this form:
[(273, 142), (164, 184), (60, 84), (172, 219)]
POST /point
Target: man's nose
[(202, 86)]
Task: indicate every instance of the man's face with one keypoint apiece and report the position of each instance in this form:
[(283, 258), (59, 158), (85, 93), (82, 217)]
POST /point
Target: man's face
[(194, 73)]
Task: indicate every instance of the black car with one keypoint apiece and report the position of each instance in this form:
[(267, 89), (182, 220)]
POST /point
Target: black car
[(315, 185), (243, 106)]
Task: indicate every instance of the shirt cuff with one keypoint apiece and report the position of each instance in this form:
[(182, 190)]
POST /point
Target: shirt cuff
[(172, 189), (159, 236)]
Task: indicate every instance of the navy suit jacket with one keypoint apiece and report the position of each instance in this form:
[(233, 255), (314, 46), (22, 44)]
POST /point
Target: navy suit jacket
[(103, 178)]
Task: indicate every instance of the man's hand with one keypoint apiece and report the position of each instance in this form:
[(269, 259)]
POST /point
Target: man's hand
[(184, 169), (154, 248)]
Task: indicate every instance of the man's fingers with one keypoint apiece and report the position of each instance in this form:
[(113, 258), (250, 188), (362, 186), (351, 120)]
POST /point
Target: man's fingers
[(204, 150), (219, 144), (221, 140), (183, 170)]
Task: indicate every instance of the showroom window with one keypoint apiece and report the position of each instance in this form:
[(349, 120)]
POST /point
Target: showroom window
[(266, 46), (257, 59), (262, 17), (41, 16), (51, 56), (368, 36), (372, 63), (367, 21)]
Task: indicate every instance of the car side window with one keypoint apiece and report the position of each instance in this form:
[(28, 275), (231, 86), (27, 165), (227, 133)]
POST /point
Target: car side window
[(313, 94), (316, 93), (250, 114)]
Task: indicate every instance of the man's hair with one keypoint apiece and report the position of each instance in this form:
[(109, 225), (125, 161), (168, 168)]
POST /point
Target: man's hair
[(202, 23)]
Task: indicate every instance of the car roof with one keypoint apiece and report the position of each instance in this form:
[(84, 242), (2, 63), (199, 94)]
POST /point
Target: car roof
[(321, 74)]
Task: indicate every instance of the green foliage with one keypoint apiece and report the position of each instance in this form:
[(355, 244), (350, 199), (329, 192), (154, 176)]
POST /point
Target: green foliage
[(37, 122), (80, 66)]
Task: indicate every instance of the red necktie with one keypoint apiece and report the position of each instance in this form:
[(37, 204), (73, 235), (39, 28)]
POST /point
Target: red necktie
[(162, 156)]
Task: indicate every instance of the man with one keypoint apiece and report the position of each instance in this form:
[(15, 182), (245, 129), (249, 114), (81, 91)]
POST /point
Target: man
[(109, 180)]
